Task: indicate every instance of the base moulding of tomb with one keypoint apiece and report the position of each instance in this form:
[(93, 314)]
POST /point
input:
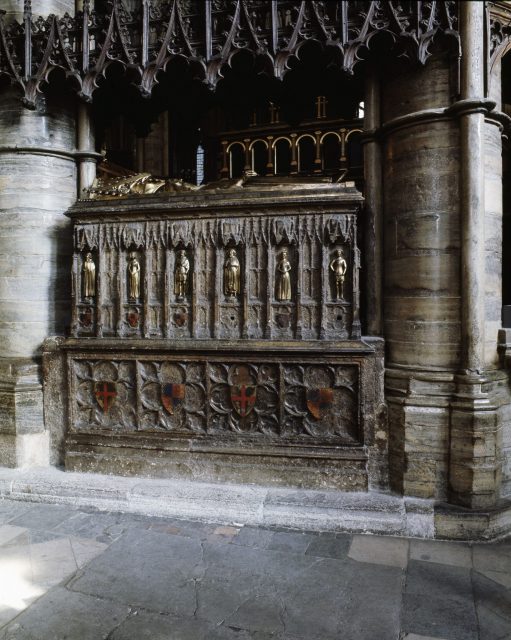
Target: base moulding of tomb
[(255, 505)]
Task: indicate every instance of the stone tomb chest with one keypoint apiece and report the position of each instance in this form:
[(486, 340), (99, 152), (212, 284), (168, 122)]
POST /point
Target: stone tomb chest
[(216, 335)]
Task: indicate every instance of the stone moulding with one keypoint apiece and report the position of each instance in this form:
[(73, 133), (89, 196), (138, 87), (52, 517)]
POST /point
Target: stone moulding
[(207, 35)]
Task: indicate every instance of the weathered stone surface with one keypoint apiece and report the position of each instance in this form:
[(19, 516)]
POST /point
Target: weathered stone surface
[(493, 239), (63, 614), (417, 89), (448, 611), (36, 187), (242, 592), (448, 553), (251, 505)]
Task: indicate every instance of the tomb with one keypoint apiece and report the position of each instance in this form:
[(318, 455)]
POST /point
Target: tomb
[(216, 335)]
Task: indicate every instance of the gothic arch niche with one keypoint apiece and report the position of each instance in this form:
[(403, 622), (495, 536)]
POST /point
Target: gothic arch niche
[(282, 156), (331, 152), (236, 152), (259, 155), (306, 154)]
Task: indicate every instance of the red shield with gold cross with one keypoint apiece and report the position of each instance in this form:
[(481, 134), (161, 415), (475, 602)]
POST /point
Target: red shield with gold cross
[(243, 397), (106, 394), (319, 401), (172, 395)]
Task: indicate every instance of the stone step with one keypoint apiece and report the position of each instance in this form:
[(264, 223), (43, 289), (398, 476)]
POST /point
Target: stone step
[(293, 508)]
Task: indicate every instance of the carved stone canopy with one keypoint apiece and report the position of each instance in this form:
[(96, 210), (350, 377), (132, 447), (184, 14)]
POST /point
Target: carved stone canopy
[(206, 35)]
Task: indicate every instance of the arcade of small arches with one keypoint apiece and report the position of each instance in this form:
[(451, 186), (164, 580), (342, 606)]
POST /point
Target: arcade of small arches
[(320, 152)]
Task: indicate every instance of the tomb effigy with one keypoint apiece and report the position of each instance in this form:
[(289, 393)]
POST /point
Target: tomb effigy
[(216, 335)]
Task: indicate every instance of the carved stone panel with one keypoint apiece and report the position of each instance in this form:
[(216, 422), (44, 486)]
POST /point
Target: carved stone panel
[(244, 398), (180, 325), (104, 394), (321, 401), (283, 401), (287, 277), (172, 397)]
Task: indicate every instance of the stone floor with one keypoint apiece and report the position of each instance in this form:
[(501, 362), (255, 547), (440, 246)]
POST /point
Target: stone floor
[(78, 575)]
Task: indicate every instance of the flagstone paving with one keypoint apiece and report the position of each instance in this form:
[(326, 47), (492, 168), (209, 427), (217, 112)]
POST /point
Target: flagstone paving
[(71, 574)]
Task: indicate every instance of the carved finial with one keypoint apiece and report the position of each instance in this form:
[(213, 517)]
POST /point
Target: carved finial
[(27, 8)]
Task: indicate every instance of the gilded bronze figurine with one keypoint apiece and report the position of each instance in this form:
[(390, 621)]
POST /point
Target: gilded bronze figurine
[(181, 270), (283, 278), (133, 278), (232, 274), (89, 277), (339, 267)]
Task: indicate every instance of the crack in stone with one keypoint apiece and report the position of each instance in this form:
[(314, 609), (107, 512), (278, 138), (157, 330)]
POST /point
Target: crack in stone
[(131, 613), (237, 609), (282, 612), (198, 579), (196, 583)]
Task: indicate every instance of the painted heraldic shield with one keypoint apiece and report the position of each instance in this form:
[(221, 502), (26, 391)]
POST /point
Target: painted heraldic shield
[(319, 401), (133, 318), (172, 395), (243, 398), (105, 393)]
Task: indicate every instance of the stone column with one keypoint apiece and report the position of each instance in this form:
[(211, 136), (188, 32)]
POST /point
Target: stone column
[(37, 184), (86, 155), (472, 188), (495, 212), (373, 205), (481, 397), (421, 294)]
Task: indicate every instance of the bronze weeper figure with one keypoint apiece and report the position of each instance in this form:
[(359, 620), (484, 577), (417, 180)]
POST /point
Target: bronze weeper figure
[(339, 267), (89, 277), (181, 270), (232, 274)]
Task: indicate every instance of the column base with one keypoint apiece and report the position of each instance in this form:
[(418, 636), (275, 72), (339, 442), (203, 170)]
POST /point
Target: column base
[(479, 411), (419, 407), (23, 439), (449, 436)]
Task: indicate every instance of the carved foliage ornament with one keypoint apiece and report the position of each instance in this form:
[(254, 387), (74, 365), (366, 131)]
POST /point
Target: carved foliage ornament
[(283, 400), (206, 35)]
